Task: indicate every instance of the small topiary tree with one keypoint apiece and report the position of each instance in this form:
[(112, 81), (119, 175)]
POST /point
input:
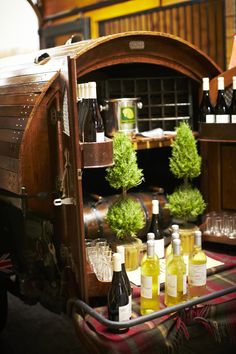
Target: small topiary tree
[(125, 217), (186, 202)]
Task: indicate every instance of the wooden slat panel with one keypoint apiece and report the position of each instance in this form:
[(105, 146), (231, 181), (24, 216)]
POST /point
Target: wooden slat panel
[(30, 98), (26, 79), (11, 136), (13, 123), (15, 111), (27, 88), (9, 149), (9, 163), (228, 181)]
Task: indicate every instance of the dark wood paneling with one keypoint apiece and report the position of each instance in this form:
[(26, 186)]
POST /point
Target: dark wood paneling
[(15, 111), (18, 99), (18, 123), (228, 179)]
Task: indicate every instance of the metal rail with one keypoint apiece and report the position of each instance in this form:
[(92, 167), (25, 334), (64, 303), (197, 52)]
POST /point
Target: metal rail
[(82, 307)]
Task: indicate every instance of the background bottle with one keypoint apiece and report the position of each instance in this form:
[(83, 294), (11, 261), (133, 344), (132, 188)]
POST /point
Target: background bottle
[(118, 297), (221, 108), (154, 228), (206, 110), (233, 103), (82, 106), (150, 281), (197, 268), (176, 279), (121, 251), (93, 128)]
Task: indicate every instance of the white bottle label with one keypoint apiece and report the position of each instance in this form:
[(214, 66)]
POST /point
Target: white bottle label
[(184, 284), (171, 285), (233, 118), (100, 137), (197, 274), (130, 305), (222, 118), (160, 248), (186, 258), (146, 286), (210, 118), (124, 313)]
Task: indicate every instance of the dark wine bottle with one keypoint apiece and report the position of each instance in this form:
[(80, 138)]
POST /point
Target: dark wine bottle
[(154, 227), (233, 102), (221, 108), (206, 110), (121, 251), (118, 296), (93, 128)]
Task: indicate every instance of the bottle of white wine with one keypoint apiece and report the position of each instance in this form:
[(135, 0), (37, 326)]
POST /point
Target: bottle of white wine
[(221, 108), (150, 281), (176, 278), (206, 110), (121, 251), (154, 228), (233, 102), (93, 128), (118, 296), (197, 274)]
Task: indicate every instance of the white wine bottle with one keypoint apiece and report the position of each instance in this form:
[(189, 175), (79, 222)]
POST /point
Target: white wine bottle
[(197, 274), (206, 110), (150, 281), (154, 228), (93, 128), (174, 234), (121, 251), (221, 108), (118, 296), (176, 278)]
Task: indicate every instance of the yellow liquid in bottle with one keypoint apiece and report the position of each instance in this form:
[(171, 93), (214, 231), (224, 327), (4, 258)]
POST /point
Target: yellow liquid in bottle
[(197, 273), (176, 287), (150, 285)]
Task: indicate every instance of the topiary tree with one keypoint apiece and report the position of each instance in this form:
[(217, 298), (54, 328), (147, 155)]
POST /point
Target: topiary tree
[(186, 202), (125, 217)]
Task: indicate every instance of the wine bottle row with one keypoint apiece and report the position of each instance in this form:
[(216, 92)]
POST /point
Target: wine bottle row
[(221, 112), (91, 127), (184, 279)]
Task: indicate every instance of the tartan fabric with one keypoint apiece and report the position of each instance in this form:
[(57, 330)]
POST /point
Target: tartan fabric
[(6, 265), (214, 323)]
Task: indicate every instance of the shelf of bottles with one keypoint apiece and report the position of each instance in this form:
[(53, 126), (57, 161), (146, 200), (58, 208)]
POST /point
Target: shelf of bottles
[(218, 122)]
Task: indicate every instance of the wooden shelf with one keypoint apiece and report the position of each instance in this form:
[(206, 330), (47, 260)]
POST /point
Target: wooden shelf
[(219, 239), (143, 143)]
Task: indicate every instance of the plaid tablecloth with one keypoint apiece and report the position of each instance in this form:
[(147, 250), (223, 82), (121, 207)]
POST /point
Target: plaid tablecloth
[(210, 327)]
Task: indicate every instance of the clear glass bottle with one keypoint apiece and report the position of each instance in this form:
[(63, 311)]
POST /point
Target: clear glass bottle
[(154, 228), (176, 278), (118, 296), (150, 281), (197, 273), (221, 108), (121, 251), (93, 128), (82, 107), (206, 110), (233, 103)]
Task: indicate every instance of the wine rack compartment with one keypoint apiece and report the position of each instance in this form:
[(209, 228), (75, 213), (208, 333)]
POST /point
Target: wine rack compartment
[(224, 131)]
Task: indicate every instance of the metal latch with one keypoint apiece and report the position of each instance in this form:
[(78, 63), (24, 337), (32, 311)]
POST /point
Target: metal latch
[(64, 201)]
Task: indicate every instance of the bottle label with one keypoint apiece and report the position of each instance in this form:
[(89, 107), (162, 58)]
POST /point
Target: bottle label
[(146, 286), (222, 118), (127, 115), (210, 118), (100, 137), (124, 313), (160, 248), (197, 274), (130, 305), (233, 118), (171, 285)]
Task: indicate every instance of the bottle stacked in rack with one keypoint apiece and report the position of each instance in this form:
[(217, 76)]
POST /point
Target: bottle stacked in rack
[(221, 108), (206, 111), (232, 107), (91, 126)]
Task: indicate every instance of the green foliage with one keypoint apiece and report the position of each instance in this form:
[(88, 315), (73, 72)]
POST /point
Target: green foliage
[(186, 203), (125, 217), (185, 161), (124, 174)]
